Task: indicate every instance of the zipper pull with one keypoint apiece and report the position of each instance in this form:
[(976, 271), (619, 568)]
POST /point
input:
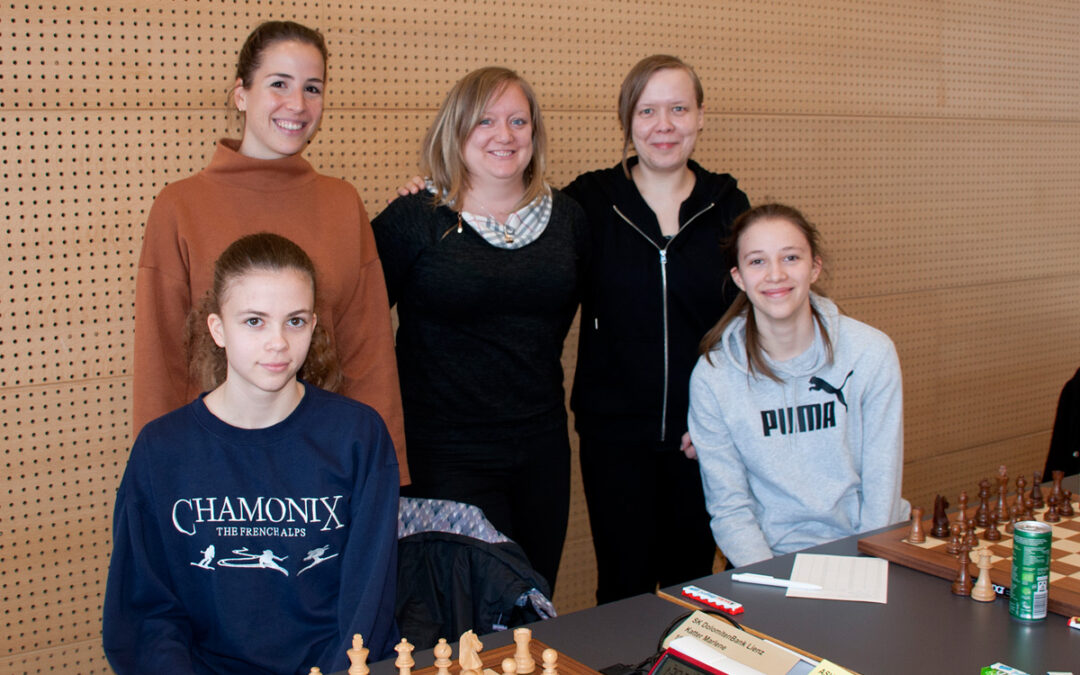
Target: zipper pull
[(663, 256)]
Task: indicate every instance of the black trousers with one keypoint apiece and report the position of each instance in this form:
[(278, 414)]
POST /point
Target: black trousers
[(648, 517), (522, 485)]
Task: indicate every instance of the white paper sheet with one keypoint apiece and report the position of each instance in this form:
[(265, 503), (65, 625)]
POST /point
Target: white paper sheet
[(841, 577)]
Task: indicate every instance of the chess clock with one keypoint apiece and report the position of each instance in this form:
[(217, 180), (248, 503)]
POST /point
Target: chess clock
[(674, 662)]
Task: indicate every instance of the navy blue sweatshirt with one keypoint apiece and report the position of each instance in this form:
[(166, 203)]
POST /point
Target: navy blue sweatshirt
[(254, 550)]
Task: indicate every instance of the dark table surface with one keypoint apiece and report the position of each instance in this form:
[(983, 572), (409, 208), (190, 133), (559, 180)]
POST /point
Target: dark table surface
[(923, 628), (626, 631)]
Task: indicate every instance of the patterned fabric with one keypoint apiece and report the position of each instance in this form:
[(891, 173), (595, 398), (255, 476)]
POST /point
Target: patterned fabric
[(442, 515), (522, 228), (539, 602)]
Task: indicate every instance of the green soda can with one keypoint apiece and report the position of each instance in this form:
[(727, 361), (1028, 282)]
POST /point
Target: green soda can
[(1030, 570)]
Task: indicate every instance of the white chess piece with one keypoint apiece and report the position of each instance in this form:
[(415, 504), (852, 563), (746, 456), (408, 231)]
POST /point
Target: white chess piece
[(358, 656), (442, 653), (404, 661), (550, 657), (522, 658)]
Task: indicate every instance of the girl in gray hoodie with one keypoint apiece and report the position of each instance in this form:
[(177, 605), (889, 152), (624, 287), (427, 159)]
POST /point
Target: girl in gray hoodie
[(796, 412)]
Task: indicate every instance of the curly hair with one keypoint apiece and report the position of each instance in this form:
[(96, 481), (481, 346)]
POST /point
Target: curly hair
[(263, 251)]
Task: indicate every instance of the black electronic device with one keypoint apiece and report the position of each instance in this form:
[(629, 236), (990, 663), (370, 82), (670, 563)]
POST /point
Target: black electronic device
[(674, 662)]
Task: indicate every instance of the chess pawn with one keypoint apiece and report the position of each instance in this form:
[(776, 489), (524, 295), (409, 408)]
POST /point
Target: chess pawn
[(404, 662), (983, 591), (961, 514), (549, 657), (916, 536), (955, 541), (1036, 491), (1051, 515), (442, 653), (961, 585), (1014, 516), (1065, 507), (1021, 485), (525, 662), (972, 538), (314, 671), (991, 533), (1029, 508), (358, 656)]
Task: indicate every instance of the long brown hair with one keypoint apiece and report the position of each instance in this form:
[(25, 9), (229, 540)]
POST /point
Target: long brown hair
[(755, 353), (207, 364), (441, 155)]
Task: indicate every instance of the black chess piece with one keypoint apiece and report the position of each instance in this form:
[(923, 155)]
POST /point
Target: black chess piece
[(940, 527), (1036, 491), (982, 514)]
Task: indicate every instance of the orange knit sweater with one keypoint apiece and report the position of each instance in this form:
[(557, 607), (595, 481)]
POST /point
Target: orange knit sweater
[(191, 223)]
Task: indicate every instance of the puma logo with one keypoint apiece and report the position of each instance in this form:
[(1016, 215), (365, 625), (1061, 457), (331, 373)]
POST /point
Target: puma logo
[(818, 384)]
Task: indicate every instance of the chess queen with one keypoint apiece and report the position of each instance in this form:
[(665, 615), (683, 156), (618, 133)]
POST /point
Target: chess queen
[(796, 410), (255, 528)]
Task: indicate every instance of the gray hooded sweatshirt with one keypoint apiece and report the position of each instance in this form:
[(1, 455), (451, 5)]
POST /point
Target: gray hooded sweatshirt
[(817, 457)]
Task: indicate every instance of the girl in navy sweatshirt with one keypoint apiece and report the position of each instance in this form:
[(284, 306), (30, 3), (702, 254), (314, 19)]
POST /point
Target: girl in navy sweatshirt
[(255, 527)]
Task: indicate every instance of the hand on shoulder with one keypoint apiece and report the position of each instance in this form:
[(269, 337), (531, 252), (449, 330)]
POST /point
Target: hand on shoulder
[(411, 187)]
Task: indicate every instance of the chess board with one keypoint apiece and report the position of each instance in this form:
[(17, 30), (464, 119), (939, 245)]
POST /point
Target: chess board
[(493, 658), (930, 557)]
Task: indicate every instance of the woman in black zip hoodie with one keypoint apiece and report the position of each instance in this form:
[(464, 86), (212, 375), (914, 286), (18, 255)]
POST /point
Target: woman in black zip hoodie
[(654, 286)]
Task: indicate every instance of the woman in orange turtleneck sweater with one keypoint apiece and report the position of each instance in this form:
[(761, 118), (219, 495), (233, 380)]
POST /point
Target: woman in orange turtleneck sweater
[(262, 184)]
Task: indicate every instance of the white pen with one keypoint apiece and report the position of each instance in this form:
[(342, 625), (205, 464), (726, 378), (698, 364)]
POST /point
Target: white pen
[(766, 580)]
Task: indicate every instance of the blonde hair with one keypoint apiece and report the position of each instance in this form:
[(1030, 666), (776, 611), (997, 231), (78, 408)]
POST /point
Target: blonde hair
[(634, 84), (755, 353), (441, 155), (207, 364)]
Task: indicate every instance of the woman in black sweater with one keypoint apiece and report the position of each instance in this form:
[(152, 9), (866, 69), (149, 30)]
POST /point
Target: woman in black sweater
[(484, 268)]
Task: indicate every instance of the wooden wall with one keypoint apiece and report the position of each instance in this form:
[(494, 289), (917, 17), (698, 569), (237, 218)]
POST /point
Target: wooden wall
[(936, 142)]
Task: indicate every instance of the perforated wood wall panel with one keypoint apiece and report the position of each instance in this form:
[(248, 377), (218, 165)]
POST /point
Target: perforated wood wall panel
[(936, 142)]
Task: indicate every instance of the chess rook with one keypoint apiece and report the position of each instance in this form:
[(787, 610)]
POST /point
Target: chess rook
[(983, 591)]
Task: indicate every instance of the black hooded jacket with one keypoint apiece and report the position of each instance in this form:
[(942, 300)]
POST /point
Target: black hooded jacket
[(1064, 452), (647, 301), (449, 583)]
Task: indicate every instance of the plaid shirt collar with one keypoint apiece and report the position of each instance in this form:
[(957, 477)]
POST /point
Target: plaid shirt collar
[(522, 228)]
